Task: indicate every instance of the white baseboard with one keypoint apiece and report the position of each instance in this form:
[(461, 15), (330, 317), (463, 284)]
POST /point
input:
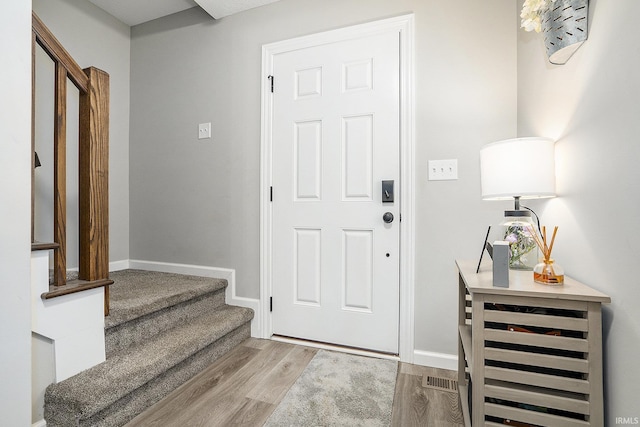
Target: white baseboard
[(435, 360), (119, 265), (195, 270), (41, 423), (199, 270), (113, 266)]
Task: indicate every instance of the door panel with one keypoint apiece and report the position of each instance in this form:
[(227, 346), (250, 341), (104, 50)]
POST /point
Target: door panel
[(335, 138), (357, 278), (357, 165), (307, 267), (308, 160)]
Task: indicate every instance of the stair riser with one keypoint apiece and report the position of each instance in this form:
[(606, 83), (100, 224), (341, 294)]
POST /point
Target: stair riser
[(144, 328), (125, 409)]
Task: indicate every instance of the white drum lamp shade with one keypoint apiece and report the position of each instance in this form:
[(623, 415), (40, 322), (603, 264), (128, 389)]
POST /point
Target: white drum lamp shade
[(520, 168)]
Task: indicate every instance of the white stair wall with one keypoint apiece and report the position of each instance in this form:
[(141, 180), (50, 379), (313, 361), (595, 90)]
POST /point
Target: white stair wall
[(75, 325)]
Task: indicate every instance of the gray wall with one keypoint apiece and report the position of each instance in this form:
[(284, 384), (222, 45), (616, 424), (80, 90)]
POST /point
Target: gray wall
[(197, 202), (15, 217), (590, 106), (93, 38)]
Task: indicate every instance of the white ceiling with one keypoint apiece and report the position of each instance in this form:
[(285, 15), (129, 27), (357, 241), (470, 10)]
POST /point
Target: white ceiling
[(134, 12), (221, 8)]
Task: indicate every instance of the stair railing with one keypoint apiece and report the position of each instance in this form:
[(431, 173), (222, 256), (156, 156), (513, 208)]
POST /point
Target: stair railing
[(93, 179)]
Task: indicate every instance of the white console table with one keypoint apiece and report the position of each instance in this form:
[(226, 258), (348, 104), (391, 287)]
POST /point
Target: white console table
[(529, 354)]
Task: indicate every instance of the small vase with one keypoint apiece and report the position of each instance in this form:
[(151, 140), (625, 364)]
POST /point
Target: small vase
[(548, 273), (523, 251)]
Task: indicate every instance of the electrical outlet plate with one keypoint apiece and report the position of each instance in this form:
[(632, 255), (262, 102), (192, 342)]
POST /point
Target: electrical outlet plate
[(204, 130), (443, 170)]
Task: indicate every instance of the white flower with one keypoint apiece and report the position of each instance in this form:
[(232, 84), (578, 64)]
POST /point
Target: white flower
[(531, 14)]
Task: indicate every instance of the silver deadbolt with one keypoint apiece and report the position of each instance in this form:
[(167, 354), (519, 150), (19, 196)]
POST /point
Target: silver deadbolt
[(387, 191), (387, 217)]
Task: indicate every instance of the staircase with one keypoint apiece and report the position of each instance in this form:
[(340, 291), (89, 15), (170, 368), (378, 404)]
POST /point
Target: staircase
[(162, 329)]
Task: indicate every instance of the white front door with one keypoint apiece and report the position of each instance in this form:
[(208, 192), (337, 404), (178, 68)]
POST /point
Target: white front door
[(335, 261)]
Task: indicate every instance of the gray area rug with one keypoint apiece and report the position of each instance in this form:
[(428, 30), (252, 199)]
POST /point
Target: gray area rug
[(338, 389)]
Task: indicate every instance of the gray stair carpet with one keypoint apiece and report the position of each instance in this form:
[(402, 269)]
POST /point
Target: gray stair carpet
[(145, 303), (135, 293), (167, 328)]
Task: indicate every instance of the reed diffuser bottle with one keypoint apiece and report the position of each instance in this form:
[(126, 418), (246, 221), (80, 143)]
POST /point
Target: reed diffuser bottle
[(547, 272)]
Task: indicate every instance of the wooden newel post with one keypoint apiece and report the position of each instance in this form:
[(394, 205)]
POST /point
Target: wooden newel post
[(94, 179)]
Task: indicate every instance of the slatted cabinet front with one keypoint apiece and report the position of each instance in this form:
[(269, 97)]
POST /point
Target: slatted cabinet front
[(532, 358)]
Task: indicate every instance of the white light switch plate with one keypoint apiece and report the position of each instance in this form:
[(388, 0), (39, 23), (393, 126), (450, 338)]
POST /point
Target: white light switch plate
[(443, 170), (204, 130)]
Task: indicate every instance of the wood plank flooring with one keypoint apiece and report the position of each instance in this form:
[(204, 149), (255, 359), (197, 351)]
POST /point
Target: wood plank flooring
[(246, 385), (415, 404)]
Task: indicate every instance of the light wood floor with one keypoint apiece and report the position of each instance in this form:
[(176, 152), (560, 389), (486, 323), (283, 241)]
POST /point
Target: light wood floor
[(246, 385)]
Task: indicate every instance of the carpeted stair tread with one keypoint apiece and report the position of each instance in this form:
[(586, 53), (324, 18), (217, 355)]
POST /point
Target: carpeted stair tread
[(136, 293), (145, 328), (99, 387)]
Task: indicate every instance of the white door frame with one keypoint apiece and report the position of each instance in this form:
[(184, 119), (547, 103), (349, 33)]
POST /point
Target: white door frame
[(405, 26)]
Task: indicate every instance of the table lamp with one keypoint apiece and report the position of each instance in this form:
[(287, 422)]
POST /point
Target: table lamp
[(520, 168)]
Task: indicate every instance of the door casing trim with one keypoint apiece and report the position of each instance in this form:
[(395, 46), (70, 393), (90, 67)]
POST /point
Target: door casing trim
[(405, 26)]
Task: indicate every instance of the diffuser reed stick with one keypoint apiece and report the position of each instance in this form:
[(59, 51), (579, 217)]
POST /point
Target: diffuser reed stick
[(542, 242), (553, 239)]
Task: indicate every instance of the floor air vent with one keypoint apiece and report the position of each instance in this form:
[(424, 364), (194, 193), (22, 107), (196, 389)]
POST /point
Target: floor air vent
[(444, 384)]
